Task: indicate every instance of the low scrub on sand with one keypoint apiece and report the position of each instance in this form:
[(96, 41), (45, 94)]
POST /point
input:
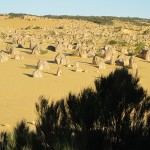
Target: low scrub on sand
[(113, 116), (139, 47)]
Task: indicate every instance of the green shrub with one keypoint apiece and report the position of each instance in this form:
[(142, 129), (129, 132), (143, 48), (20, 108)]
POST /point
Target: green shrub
[(15, 15), (52, 33), (112, 42), (8, 47), (3, 35), (117, 29), (22, 136), (97, 119), (37, 27), (122, 43), (139, 47), (146, 32)]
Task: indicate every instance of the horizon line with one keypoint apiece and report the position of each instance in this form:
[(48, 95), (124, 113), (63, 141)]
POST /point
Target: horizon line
[(74, 15)]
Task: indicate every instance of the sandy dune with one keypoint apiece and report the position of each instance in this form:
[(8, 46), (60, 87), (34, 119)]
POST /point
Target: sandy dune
[(19, 91)]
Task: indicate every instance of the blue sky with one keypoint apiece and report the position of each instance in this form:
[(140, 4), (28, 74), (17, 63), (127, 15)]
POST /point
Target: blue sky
[(131, 8)]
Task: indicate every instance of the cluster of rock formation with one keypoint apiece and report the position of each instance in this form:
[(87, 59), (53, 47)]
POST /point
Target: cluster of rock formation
[(80, 38)]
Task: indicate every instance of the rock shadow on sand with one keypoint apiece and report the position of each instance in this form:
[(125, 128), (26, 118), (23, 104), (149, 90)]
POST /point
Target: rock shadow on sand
[(30, 66), (83, 62), (51, 61), (54, 74), (29, 75), (27, 52)]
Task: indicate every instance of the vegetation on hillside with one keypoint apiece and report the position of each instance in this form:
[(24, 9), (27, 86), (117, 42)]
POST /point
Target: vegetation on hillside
[(103, 20), (14, 15)]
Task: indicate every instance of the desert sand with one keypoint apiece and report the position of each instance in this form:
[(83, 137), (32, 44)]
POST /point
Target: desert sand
[(19, 91)]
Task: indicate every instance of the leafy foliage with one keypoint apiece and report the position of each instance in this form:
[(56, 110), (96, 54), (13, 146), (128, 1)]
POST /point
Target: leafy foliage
[(3, 35), (15, 15), (22, 136), (139, 47), (122, 43), (112, 42)]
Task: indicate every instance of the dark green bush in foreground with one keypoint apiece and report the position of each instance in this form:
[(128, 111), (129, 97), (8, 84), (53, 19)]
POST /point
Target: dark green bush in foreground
[(114, 116)]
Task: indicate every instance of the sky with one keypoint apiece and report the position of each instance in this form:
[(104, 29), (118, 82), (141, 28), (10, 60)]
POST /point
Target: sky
[(119, 8)]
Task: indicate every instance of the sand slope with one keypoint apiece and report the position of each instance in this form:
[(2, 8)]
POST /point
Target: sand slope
[(19, 91)]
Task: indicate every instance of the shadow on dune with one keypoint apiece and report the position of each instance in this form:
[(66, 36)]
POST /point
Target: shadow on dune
[(85, 62), (6, 52), (73, 70), (29, 75), (51, 61), (51, 48), (30, 66), (50, 73)]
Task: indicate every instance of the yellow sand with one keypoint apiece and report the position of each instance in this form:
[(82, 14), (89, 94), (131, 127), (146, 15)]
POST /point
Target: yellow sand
[(19, 92)]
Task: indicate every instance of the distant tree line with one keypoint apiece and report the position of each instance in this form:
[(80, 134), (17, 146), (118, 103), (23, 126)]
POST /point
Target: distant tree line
[(136, 21), (103, 20), (114, 116), (95, 19)]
